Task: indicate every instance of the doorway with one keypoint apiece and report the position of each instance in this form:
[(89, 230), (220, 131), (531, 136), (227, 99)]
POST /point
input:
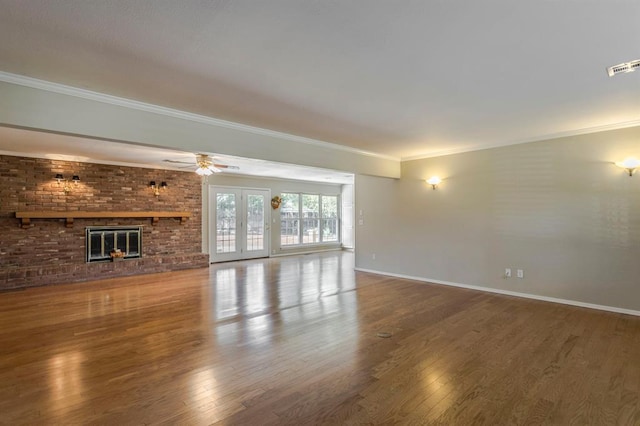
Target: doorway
[(238, 223)]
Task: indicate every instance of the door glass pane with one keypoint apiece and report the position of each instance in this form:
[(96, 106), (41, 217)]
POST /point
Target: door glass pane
[(255, 222), (311, 216), (290, 219), (225, 223)]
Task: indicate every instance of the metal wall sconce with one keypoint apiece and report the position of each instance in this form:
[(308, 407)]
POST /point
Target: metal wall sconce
[(630, 164), (434, 181), (65, 182), (156, 189)]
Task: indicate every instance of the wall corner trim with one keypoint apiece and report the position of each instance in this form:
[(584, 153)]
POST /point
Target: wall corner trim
[(507, 292)]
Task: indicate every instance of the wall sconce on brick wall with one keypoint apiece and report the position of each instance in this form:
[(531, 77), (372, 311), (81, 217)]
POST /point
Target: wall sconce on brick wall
[(156, 189), (65, 182)]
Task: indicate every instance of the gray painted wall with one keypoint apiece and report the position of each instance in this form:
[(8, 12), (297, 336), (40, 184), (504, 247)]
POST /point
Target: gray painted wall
[(558, 209)]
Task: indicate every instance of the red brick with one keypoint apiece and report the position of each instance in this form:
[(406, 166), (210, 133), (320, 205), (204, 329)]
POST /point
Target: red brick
[(49, 253)]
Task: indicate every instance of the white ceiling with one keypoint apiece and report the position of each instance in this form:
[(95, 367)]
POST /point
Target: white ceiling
[(405, 78)]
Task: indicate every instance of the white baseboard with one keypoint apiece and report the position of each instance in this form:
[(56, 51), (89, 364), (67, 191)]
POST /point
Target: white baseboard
[(299, 253), (508, 293)]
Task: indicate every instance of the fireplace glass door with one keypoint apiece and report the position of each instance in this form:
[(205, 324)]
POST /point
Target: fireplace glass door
[(102, 241)]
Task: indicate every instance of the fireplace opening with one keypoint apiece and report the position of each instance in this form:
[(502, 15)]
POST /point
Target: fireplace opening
[(107, 243)]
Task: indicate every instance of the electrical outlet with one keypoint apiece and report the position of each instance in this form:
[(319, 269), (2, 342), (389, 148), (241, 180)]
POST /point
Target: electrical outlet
[(520, 273), (373, 256), (507, 273)]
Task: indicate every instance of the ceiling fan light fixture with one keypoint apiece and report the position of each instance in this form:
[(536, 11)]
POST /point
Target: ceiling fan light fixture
[(204, 171), (204, 165)]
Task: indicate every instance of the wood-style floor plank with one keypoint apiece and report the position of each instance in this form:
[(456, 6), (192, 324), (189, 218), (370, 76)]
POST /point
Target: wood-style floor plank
[(293, 341)]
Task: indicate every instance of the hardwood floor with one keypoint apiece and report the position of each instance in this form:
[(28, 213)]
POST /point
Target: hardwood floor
[(294, 341)]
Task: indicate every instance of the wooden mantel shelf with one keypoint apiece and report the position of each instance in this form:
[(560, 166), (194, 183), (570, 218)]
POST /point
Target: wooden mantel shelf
[(26, 217)]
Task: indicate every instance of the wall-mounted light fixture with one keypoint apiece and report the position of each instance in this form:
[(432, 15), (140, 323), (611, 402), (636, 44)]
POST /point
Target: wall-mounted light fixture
[(156, 189), (434, 181), (65, 182), (630, 164)]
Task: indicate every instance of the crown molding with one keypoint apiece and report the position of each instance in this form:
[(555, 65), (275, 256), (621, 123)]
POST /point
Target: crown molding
[(569, 133), (62, 89)]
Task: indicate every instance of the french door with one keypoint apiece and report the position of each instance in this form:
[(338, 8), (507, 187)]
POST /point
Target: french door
[(238, 223)]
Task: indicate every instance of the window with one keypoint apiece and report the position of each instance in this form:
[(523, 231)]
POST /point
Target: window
[(308, 219), (310, 215), (329, 221), (290, 219)]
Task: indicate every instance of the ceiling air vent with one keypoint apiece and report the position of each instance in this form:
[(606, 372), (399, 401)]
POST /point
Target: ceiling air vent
[(623, 68)]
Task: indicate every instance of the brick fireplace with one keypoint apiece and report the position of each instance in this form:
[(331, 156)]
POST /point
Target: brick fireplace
[(53, 251)]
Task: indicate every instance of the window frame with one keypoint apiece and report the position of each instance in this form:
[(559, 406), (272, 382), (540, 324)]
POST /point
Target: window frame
[(300, 218)]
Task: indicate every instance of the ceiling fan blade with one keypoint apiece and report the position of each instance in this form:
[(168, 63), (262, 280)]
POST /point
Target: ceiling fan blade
[(177, 162), (225, 166), (203, 161)]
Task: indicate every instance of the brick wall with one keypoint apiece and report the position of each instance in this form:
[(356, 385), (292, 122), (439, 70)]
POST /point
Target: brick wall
[(49, 253)]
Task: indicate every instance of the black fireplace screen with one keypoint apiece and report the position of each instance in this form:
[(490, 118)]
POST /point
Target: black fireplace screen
[(107, 242)]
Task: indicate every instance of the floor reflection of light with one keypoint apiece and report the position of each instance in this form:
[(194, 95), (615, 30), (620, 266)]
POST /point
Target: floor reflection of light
[(436, 384), (228, 334), (259, 330), (330, 280), (288, 288), (65, 381), (226, 293), (260, 306), (203, 392), (256, 290), (311, 279)]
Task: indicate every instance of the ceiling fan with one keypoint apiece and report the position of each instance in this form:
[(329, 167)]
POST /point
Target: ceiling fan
[(205, 165)]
